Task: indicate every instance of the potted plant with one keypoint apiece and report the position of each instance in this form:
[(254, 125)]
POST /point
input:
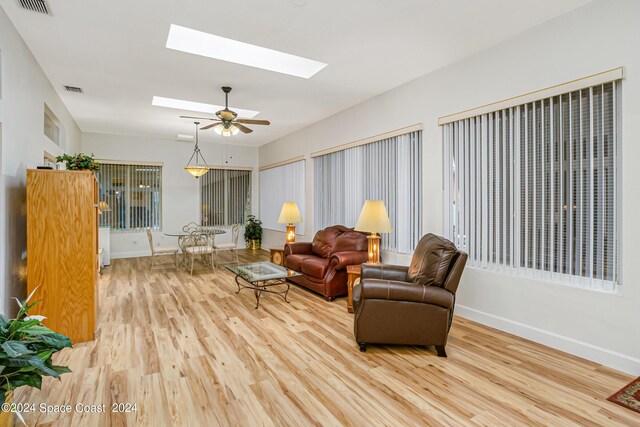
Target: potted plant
[(26, 348), (253, 232), (79, 162)]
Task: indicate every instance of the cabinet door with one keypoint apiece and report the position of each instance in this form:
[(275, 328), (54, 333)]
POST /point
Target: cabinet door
[(62, 249)]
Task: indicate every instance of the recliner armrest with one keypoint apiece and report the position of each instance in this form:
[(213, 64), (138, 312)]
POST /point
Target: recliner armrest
[(384, 271), (297, 248), (340, 260), (394, 290)]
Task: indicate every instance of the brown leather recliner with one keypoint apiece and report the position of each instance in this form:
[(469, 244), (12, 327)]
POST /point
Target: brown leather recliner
[(323, 262), (409, 305)]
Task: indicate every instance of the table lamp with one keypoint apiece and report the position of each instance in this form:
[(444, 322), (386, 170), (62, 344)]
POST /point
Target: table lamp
[(288, 215), (374, 219)]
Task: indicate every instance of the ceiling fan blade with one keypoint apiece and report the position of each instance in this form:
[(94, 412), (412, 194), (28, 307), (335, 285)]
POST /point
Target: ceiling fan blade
[(253, 122), (199, 118), (209, 126), (243, 128)]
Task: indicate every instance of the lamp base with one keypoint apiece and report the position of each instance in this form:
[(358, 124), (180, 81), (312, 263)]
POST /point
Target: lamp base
[(374, 248), (291, 233)]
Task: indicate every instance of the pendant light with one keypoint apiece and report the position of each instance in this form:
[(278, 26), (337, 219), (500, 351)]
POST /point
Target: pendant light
[(199, 166)]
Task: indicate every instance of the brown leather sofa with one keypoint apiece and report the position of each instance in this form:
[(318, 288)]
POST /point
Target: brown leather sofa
[(410, 305), (323, 262)]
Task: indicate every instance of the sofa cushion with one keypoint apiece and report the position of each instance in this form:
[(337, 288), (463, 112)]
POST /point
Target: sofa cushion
[(350, 241), (324, 241), (294, 262), (430, 261), (315, 267)]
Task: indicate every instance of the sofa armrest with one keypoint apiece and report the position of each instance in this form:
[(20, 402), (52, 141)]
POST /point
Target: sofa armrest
[(394, 290), (340, 260), (297, 248), (386, 272)]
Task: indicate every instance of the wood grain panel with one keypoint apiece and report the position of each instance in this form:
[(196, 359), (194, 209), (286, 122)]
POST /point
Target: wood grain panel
[(190, 352), (61, 249)]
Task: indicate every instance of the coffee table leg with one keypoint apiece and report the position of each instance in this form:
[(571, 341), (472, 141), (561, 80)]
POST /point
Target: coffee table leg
[(259, 287), (238, 283), (258, 291), (287, 292)]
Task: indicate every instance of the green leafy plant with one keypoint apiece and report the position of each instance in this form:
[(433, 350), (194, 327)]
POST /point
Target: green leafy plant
[(252, 229), (79, 162), (26, 348)]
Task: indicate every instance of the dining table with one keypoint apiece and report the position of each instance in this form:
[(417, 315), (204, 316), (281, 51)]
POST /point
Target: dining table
[(182, 234)]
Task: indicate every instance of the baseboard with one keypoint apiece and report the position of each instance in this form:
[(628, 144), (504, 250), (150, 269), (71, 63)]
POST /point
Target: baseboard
[(585, 350), (136, 254)]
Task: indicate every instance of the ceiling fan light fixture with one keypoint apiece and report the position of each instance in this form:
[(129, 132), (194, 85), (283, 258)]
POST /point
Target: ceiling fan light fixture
[(226, 130), (218, 128)]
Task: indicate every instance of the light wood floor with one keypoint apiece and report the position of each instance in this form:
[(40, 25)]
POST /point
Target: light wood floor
[(190, 352)]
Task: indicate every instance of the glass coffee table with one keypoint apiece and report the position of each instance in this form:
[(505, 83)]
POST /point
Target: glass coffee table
[(261, 277)]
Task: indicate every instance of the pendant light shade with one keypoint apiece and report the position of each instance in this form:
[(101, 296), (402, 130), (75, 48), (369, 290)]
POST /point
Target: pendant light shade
[(197, 166)]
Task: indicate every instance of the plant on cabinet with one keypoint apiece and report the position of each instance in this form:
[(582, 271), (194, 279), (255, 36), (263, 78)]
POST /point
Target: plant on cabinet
[(79, 162)]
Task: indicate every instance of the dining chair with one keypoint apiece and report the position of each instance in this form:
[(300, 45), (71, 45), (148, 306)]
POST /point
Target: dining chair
[(199, 243), (232, 245), (192, 226), (157, 251)]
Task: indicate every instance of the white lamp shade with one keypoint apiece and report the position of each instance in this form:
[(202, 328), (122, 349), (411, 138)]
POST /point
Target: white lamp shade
[(374, 218), (289, 213)]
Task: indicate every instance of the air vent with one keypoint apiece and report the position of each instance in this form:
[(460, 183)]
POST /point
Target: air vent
[(39, 6), (74, 89)]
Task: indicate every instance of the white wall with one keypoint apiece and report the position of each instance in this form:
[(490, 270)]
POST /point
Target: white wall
[(25, 90), (598, 37), (180, 191)]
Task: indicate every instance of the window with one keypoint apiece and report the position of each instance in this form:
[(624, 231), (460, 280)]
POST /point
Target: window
[(133, 193), (388, 170), (51, 126), (225, 197), (533, 188), (283, 183)]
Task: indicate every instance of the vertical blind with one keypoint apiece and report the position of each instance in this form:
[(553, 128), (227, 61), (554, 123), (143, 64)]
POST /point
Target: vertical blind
[(533, 189), (388, 170), (225, 197), (133, 193), (278, 185)]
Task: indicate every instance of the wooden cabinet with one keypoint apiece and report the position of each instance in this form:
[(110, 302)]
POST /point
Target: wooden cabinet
[(62, 248)]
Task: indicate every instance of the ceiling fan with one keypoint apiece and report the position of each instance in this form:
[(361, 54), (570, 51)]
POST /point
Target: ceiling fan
[(227, 122)]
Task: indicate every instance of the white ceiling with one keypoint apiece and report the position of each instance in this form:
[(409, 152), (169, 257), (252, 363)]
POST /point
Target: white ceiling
[(115, 50)]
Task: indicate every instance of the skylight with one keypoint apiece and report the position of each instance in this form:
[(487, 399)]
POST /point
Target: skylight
[(180, 104), (205, 44)]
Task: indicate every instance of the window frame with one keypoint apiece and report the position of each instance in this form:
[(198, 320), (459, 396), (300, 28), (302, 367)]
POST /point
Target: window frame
[(558, 153), (127, 186), (226, 196), (361, 173), (287, 192)]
